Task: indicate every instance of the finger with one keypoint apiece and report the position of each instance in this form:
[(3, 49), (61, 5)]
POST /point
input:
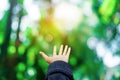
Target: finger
[(44, 55), (65, 50), (54, 51), (68, 52), (61, 50)]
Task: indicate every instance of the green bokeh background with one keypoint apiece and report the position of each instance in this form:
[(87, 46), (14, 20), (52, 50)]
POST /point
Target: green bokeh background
[(19, 49)]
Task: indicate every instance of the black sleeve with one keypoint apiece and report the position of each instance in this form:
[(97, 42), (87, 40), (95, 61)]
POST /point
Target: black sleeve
[(59, 70)]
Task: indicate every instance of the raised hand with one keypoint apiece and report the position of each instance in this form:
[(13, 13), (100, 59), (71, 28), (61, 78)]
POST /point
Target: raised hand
[(63, 55)]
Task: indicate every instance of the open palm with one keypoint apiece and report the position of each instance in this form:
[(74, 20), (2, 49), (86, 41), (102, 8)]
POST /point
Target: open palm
[(63, 55)]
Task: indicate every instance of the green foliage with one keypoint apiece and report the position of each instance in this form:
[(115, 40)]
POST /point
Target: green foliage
[(21, 2), (2, 27), (106, 10), (11, 50)]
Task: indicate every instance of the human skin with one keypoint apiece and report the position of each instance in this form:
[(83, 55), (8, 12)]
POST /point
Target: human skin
[(63, 54)]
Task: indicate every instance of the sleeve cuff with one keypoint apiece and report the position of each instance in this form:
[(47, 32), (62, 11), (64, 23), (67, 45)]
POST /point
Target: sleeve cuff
[(60, 66)]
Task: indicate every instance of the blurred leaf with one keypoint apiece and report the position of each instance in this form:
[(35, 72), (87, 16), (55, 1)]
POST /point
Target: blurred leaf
[(21, 50), (1, 38), (11, 50), (20, 67), (21, 1), (31, 56), (107, 9)]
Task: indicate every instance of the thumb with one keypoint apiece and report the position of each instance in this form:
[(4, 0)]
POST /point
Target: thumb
[(44, 55)]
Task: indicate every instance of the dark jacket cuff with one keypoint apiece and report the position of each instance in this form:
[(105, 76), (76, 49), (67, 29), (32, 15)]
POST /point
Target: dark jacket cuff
[(60, 66)]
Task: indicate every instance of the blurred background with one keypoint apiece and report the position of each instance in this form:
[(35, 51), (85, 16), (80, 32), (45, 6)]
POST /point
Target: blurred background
[(90, 27)]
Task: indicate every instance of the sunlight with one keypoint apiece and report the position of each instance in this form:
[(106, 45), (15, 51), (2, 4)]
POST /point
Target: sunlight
[(111, 61), (3, 7), (107, 56), (67, 15), (32, 10)]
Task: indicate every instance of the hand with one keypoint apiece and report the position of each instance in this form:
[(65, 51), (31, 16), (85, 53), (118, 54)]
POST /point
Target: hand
[(63, 55)]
